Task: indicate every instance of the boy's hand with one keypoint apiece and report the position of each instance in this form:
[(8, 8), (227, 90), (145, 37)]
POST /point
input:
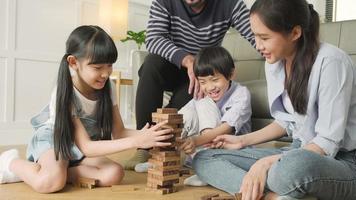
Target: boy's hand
[(188, 145), (153, 136), (228, 142)]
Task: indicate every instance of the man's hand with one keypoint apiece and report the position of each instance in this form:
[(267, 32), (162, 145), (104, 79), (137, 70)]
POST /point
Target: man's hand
[(188, 62)]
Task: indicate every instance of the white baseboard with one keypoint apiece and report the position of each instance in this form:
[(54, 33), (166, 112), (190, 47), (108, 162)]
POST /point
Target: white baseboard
[(15, 137)]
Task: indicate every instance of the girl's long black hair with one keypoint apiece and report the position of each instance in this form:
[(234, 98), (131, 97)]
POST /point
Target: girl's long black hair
[(282, 16), (85, 42)]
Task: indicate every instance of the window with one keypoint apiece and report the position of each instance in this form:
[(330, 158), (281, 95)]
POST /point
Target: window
[(344, 9)]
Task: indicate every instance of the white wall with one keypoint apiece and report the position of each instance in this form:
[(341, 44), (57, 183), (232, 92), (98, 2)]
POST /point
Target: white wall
[(32, 41)]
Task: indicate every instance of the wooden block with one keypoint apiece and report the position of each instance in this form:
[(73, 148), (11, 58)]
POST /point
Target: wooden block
[(156, 186), (170, 121), (123, 188), (166, 110), (209, 196), (162, 182), (223, 198), (162, 173), (165, 158), (238, 196), (163, 178), (167, 116), (169, 148), (165, 153), (86, 182), (164, 163), (170, 126), (184, 171), (162, 191)]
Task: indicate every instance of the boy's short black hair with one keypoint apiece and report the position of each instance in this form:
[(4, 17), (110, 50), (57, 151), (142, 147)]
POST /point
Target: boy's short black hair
[(214, 59)]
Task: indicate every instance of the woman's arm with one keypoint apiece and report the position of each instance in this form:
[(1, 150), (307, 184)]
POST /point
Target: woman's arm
[(268, 133)]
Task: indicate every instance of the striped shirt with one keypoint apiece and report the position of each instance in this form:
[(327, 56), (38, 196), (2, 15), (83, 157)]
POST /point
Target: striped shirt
[(175, 31)]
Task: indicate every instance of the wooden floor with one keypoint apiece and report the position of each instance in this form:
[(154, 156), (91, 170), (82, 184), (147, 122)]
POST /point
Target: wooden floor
[(23, 192)]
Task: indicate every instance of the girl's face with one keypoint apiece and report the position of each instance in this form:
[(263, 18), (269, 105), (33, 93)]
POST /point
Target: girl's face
[(274, 46), (92, 75), (214, 86)]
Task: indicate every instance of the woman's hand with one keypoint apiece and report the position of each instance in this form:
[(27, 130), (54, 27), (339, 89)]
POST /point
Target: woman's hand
[(152, 136), (228, 142), (188, 145), (253, 183)]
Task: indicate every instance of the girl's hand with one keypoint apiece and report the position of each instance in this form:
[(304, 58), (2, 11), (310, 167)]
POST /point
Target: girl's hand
[(188, 145), (253, 183), (153, 136), (228, 142)]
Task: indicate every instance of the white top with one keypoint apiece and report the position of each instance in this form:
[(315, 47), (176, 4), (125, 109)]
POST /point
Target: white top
[(287, 103), (88, 106), (331, 111)]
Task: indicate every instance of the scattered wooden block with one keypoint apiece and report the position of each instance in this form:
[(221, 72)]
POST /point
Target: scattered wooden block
[(209, 196), (86, 182), (167, 110), (123, 188), (238, 196)]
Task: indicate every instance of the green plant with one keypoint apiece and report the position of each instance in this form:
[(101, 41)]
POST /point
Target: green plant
[(138, 37)]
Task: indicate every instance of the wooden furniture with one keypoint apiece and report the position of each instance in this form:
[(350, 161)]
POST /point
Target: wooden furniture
[(116, 77)]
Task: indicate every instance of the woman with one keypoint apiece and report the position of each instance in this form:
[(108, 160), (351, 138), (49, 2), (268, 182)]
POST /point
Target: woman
[(312, 97)]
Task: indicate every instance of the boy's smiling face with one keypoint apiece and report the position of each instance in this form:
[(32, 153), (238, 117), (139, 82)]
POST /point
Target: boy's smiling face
[(214, 86)]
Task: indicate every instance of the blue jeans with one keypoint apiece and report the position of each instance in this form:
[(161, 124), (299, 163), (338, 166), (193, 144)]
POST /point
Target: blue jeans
[(298, 172)]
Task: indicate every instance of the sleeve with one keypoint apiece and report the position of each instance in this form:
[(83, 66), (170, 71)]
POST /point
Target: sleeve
[(240, 111), (334, 94), (157, 39), (241, 21)]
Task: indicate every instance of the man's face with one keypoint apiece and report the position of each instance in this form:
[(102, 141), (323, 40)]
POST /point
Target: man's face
[(194, 3)]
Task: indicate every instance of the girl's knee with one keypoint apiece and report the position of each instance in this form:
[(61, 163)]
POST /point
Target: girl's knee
[(50, 182), (112, 175)]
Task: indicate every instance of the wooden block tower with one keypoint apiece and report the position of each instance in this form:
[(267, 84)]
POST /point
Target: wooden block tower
[(165, 161)]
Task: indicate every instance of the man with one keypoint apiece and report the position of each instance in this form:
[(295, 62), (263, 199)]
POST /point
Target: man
[(177, 30)]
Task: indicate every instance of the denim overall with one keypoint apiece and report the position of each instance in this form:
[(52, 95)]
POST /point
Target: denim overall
[(42, 140)]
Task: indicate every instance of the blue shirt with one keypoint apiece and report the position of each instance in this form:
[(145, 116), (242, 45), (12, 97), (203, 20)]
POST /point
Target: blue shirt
[(330, 120)]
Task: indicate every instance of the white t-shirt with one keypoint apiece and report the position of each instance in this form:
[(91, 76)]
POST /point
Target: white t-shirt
[(287, 102), (88, 106)]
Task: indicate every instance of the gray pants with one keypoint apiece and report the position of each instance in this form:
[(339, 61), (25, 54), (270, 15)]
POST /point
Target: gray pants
[(298, 173), (199, 115)]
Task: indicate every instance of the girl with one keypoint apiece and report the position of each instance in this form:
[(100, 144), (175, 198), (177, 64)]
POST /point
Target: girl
[(73, 133), (312, 96)]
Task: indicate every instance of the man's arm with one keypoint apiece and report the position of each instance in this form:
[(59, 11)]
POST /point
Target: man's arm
[(157, 40), (241, 21)]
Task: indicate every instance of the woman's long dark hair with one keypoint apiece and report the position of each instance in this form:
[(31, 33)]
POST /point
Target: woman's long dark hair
[(282, 16), (85, 42)]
